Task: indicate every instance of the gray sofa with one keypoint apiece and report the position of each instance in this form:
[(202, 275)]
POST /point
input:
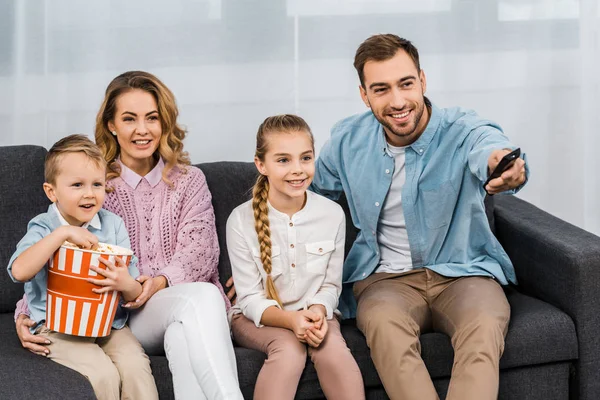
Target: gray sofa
[(552, 347)]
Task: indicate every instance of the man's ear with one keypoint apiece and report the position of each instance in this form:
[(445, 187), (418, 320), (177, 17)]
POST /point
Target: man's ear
[(49, 190), (260, 166), (423, 80), (363, 96)]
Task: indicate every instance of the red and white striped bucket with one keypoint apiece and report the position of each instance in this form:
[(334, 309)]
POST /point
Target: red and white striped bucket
[(71, 306)]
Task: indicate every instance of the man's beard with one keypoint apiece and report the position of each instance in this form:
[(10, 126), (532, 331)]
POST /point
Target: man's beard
[(403, 134)]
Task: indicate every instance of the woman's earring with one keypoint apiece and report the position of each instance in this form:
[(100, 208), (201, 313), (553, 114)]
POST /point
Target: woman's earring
[(114, 133)]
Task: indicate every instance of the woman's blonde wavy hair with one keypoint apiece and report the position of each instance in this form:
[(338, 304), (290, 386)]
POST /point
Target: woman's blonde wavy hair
[(170, 147), (286, 123)]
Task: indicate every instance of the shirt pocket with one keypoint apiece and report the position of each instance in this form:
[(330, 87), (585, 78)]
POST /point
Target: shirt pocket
[(438, 205), (276, 269), (318, 255)]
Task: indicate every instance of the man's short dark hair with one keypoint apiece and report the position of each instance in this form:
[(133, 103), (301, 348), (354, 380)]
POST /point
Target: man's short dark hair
[(381, 48)]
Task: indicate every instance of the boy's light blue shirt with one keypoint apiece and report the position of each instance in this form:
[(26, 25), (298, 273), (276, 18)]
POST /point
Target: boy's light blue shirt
[(108, 228), (442, 198)]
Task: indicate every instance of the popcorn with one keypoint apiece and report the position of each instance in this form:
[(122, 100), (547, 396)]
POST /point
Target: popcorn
[(103, 248)]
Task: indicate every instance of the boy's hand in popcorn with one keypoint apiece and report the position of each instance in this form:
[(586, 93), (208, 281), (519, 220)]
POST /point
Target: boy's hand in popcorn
[(116, 277), (79, 236), (32, 260)]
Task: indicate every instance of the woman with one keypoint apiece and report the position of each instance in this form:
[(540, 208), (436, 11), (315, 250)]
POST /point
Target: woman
[(166, 206)]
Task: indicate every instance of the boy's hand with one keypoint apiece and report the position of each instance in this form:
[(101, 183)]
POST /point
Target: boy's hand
[(79, 236), (32, 260), (116, 277)]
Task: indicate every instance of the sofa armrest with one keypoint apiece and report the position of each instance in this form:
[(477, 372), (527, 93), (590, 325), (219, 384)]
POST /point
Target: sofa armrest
[(560, 264)]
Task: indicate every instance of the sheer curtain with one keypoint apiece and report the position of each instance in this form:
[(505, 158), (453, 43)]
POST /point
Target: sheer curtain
[(531, 65)]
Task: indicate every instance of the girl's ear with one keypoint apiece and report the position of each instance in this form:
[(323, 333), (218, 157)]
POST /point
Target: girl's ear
[(260, 166), (49, 190)]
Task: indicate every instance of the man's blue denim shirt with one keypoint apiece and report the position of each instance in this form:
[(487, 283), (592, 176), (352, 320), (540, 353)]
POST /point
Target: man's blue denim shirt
[(442, 198)]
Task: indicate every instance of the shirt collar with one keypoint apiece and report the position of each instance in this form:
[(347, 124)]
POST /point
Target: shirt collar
[(94, 223), (281, 215), (421, 144), (133, 179)]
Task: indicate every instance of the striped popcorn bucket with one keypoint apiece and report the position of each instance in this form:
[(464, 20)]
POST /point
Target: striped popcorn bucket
[(71, 306)]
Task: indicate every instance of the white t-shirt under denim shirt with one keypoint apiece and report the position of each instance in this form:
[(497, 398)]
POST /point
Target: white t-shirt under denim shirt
[(307, 254), (392, 236)]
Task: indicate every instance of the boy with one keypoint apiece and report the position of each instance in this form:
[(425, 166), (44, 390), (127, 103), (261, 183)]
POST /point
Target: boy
[(115, 365)]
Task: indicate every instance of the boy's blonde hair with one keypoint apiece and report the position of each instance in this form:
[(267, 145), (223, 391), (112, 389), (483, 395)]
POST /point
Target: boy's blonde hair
[(286, 123), (70, 144)]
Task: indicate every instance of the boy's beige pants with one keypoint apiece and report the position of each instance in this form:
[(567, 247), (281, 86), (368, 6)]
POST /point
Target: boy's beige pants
[(116, 365)]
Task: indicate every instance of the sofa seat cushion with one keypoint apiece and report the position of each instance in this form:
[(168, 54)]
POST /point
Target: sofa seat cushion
[(538, 334), (25, 375)]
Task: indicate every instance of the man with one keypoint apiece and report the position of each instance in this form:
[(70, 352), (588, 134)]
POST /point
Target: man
[(425, 258)]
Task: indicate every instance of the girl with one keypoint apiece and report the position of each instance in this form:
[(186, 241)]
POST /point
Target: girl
[(286, 247), (166, 206)]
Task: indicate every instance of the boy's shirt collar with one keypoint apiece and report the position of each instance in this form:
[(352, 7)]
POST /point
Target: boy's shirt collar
[(94, 223)]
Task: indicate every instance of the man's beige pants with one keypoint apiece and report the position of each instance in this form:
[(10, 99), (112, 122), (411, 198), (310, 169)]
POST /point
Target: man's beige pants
[(393, 310), (115, 365)]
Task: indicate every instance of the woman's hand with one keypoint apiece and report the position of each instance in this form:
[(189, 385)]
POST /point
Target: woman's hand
[(301, 321), (33, 343), (231, 295), (149, 287)]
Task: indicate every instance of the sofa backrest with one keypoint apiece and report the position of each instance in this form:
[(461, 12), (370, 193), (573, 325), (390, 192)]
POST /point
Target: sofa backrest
[(230, 184), (21, 199)]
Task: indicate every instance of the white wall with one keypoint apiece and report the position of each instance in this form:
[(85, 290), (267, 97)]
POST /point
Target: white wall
[(530, 65)]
